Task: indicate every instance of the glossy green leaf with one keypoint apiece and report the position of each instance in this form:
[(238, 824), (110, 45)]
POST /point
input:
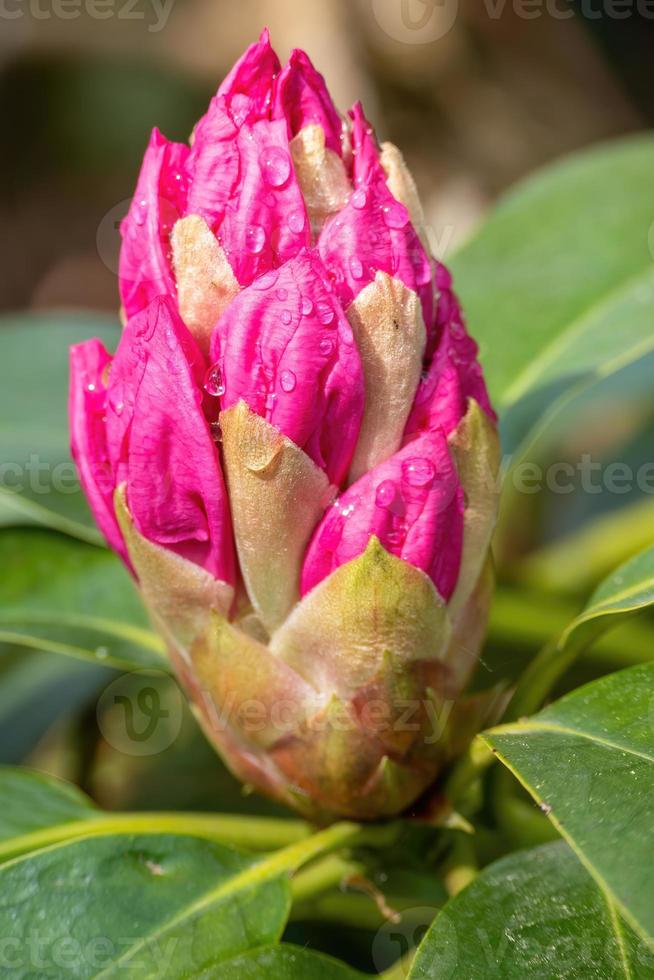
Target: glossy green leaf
[(629, 590), (135, 905), (558, 285), (33, 800), (68, 597), (534, 914), (38, 482), (588, 760), (283, 962)]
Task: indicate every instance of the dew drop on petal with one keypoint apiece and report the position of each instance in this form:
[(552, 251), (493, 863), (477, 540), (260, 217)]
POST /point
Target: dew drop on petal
[(214, 384), (282, 294), (356, 268), (275, 166), (307, 306), (326, 346), (266, 281), (141, 212), (287, 381), (359, 199), (386, 493), (296, 222), (395, 215), (418, 472), (326, 314), (287, 317), (255, 239)]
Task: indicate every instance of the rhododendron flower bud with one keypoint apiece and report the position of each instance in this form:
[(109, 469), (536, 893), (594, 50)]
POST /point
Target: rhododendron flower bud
[(293, 449)]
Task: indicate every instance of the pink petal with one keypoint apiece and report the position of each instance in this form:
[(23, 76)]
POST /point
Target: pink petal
[(454, 374), (302, 98), (89, 365), (145, 270), (373, 232), (160, 443), (213, 164), (412, 502), (248, 88), (266, 222), (285, 347)]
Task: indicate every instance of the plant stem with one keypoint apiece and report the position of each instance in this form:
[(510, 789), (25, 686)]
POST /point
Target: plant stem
[(540, 677), (321, 876), (470, 767), (461, 867), (254, 833)]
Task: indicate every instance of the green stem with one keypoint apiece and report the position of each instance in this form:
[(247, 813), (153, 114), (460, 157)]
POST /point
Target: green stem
[(540, 677), (469, 768), (321, 876), (461, 867), (254, 833)]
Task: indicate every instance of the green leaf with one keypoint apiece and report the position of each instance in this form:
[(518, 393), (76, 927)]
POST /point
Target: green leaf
[(38, 482), (41, 811), (532, 914), (588, 760), (283, 962), (629, 590), (33, 800), (67, 597), (135, 905), (558, 286)]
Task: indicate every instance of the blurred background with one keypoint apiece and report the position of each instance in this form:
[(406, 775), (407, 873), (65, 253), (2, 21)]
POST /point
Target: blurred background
[(477, 94)]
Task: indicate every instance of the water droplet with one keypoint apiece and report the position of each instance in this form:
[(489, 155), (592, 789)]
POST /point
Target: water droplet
[(356, 268), (326, 346), (386, 493), (141, 212), (266, 281), (255, 239), (91, 387), (325, 314), (275, 166), (397, 536), (287, 317), (297, 222), (214, 384), (359, 199), (395, 215), (287, 381), (102, 653), (307, 306), (282, 294), (418, 472)]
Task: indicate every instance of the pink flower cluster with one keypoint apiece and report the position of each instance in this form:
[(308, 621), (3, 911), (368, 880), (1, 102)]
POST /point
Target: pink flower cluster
[(247, 258)]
